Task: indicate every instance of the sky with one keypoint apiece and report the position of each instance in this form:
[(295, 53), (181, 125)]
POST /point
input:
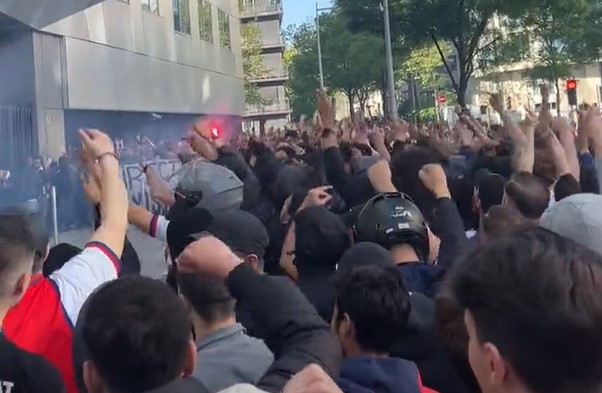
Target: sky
[(299, 11)]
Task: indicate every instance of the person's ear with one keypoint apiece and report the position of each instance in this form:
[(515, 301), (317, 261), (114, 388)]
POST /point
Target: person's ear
[(498, 369), (253, 261), (21, 286), (45, 256), (346, 328), (91, 378), (190, 362)]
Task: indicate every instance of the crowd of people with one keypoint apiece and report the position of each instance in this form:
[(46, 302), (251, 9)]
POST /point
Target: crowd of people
[(360, 257)]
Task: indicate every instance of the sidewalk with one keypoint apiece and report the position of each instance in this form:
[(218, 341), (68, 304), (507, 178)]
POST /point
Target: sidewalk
[(150, 251)]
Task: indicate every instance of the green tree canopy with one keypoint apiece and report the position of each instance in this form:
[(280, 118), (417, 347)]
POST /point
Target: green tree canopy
[(465, 24), (424, 64), (561, 33), (252, 63), (352, 63), (301, 57)]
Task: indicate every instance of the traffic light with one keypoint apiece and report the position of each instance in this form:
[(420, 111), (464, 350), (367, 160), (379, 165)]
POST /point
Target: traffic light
[(571, 91), (508, 103)]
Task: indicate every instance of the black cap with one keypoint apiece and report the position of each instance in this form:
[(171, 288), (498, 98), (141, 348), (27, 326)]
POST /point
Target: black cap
[(320, 237), (241, 231), (183, 226), (366, 254)]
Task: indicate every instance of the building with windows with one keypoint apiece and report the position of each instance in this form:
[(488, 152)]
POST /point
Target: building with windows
[(121, 65), (520, 92), (267, 16)]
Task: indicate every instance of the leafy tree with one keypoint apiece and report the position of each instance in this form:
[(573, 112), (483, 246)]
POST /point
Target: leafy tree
[(252, 63), (562, 33), (301, 57), (424, 65), (466, 24), (352, 63)]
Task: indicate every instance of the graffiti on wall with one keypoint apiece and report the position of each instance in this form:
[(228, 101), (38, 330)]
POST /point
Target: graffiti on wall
[(135, 182)]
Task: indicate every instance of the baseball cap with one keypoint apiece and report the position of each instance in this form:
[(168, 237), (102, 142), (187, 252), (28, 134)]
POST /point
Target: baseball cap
[(365, 254), (241, 231), (183, 226), (321, 237), (577, 217)]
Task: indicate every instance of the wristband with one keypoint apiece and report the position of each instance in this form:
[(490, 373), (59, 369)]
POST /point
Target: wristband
[(103, 155)]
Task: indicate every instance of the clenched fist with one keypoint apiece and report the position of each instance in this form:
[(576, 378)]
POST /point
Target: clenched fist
[(433, 177)]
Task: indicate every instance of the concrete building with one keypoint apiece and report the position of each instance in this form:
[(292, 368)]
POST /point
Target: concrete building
[(520, 92), (120, 65), (267, 15)]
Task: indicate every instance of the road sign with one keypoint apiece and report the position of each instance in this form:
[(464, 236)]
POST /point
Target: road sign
[(441, 99)]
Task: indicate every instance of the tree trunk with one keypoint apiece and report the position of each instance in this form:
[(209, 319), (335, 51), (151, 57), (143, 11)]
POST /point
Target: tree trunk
[(462, 94), (351, 100)]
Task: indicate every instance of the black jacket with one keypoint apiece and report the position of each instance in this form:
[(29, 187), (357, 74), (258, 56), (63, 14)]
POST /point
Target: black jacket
[(420, 345), (447, 224), (235, 162), (293, 330), (355, 190)]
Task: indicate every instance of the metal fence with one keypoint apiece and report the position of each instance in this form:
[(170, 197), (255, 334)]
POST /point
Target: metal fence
[(17, 135)]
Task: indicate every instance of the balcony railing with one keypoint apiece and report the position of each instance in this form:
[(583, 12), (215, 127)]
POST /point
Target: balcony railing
[(273, 108), (273, 74), (271, 40), (258, 9)]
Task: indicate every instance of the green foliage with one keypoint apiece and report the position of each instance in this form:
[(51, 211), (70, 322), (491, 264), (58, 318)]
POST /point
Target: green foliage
[(466, 24), (301, 57), (252, 64), (424, 64), (567, 32), (352, 63)]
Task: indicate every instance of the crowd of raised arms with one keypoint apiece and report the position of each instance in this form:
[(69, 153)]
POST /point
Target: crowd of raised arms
[(363, 256)]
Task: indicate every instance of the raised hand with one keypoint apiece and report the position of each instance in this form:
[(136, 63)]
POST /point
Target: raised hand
[(96, 143)]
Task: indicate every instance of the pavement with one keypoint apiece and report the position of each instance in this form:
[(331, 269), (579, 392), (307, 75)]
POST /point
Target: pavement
[(150, 251)]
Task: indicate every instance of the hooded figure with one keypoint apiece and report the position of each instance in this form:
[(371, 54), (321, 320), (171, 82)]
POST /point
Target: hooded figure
[(320, 240)]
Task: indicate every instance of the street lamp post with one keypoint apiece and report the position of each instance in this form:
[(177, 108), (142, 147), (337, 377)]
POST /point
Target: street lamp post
[(318, 10), (389, 62), (319, 48)]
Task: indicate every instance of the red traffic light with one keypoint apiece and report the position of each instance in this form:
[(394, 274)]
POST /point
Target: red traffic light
[(215, 132), (571, 84)]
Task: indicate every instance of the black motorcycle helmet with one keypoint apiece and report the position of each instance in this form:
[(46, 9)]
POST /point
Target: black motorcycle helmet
[(390, 219)]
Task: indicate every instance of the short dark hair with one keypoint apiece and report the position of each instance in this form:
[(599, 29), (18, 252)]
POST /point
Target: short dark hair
[(529, 194), (136, 331), (378, 303), (491, 191), (503, 220), (17, 244), (58, 256), (535, 296), (209, 296), (566, 186)]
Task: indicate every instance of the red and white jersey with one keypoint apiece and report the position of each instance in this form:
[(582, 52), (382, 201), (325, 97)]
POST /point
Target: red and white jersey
[(158, 228), (42, 322)]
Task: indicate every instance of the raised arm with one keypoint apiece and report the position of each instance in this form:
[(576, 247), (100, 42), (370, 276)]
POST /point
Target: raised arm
[(99, 262)]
